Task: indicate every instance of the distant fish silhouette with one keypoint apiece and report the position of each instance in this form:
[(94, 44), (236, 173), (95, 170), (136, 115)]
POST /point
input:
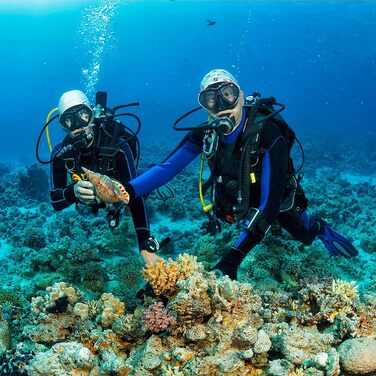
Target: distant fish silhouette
[(165, 192), (211, 22)]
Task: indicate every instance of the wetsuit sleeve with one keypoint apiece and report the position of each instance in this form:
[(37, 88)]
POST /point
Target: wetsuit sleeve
[(127, 170), (188, 149), (274, 165), (61, 194)]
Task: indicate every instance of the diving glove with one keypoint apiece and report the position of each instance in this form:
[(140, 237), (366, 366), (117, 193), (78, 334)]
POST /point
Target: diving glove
[(229, 264), (335, 243), (211, 227)]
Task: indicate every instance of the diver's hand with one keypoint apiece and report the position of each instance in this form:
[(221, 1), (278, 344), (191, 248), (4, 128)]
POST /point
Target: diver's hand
[(149, 257), (84, 191)]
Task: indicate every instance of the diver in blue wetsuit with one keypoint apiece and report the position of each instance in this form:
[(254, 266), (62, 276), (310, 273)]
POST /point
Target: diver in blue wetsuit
[(253, 181), (102, 144)]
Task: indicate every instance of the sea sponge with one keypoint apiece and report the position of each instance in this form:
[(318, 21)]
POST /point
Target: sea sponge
[(164, 275), (158, 318)]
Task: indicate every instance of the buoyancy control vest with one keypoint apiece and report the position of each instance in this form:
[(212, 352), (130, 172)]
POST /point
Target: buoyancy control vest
[(102, 154), (235, 168)]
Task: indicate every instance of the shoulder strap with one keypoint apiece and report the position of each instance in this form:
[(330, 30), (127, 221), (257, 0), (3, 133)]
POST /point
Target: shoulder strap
[(109, 135)]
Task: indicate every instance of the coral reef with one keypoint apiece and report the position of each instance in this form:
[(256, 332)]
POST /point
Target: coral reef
[(69, 305), (209, 326), (158, 318), (357, 355), (34, 183), (164, 276)]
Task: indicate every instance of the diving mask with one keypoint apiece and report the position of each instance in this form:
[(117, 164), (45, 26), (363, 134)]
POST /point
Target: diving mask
[(76, 117), (221, 98)]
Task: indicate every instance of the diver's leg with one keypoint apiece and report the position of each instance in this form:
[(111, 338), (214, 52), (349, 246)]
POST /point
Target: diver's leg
[(299, 225), (304, 228)]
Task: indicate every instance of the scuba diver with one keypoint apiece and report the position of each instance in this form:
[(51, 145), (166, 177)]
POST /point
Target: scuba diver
[(98, 141), (253, 182)]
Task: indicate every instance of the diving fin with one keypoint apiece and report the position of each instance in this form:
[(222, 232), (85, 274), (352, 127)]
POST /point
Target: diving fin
[(335, 243)]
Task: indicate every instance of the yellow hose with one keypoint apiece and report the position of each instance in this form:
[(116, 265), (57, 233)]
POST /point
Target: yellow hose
[(205, 207), (47, 131)]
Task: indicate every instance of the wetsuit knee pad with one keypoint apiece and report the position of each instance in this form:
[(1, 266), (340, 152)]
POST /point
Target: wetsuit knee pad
[(299, 225)]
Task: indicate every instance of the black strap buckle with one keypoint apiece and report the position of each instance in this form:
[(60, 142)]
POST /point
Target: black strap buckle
[(256, 223)]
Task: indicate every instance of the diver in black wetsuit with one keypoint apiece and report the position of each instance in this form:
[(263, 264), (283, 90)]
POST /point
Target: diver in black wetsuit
[(253, 181), (103, 145)]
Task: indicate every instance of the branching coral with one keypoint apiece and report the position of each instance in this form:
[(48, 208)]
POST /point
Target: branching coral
[(165, 275), (325, 303), (158, 318)]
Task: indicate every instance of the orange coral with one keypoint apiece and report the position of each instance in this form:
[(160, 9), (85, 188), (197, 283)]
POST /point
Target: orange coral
[(164, 275)]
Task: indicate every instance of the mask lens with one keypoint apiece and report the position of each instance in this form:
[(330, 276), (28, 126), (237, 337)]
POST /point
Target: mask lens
[(229, 93), (221, 98), (76, 117), (67, 121), (84, 115), (207, 99)]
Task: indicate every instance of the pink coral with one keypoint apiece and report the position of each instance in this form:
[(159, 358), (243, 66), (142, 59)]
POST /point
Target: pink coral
[(158, 318)]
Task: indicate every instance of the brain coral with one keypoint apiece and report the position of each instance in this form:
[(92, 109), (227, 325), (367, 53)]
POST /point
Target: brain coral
[(358, 355)]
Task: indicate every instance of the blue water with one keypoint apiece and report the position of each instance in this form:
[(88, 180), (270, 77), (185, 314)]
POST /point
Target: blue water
[(316, 57)]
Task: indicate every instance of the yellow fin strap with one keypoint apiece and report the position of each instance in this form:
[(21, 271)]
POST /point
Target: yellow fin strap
[(124, 193)]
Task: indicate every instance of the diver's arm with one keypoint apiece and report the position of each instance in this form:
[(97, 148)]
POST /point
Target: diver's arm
[(163, 172), (259, 220), (61, 195)]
